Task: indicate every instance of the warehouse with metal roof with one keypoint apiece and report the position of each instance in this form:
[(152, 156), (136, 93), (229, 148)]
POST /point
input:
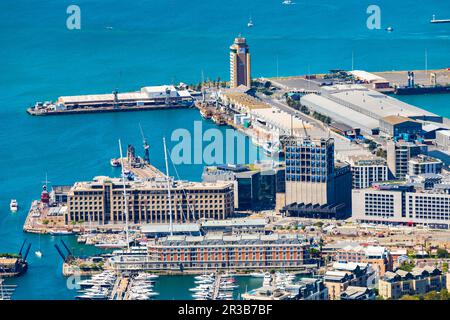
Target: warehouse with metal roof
[(340, 113)]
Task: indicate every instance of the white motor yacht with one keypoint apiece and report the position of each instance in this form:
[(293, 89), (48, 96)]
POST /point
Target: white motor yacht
[(13, 205)]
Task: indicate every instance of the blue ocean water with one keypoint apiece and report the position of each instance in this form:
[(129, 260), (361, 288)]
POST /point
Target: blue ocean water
[(127, 45)]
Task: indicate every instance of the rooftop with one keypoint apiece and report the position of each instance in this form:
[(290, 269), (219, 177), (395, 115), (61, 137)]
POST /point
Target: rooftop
[(240, 222), (339, 112), (374, 104), (165, 228), (393, 120)]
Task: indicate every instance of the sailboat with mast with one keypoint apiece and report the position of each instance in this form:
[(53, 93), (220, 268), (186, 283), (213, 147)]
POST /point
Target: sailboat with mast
[(125, 198), (168, 188), (38, 252)]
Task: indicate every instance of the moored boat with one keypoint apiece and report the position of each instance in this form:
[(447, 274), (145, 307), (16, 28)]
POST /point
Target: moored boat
[(13, 205)]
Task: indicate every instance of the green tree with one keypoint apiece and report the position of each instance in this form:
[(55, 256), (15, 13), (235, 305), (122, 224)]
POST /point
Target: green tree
[(407, 266), (444, 295), (442, 253), (408, 297), (432, 295)]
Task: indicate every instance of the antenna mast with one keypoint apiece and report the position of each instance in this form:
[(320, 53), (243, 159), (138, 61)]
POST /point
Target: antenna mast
[(203, 89), (168, 188), (124, 196)]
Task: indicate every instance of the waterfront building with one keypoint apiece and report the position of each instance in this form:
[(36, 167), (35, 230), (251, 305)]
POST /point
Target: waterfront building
[(158, 230), (240, 68), (267, 293), (257, 185), (102, 201), (358, 293), (396, 126), (367, 169), (305, 289), (147, 97), (367, 77), (424, 202), (373, 104), (443, 139), (344, 275), (220, 252), (423, 164), (398, 155), (340, 113), (316, 186), (379, 257), (419, 281), (235, 226)]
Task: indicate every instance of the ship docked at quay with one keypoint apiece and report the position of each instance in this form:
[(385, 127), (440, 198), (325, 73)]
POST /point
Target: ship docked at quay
[(148, 98)]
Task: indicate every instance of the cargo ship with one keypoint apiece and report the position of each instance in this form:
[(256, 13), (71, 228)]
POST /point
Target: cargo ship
[(148, 98), (422, 90)]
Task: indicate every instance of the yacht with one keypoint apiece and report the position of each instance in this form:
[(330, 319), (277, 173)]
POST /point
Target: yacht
[(38, 253), (92, 296), (13, 206), (287, 2), (258, 274), (204, 294), (145, 276), (200, 288), (205, 281), (204, 277)]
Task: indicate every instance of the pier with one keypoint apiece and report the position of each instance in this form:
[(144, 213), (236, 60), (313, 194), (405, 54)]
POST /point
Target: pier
[(143, 170), (120, 289), (148, 98), (6, 291), (216, 286)]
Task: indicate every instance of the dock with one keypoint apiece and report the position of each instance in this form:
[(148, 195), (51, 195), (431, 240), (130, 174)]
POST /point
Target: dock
[(120, 289), (6, 291), (147, 98), (216, 286), (34, 112), (143, 170)]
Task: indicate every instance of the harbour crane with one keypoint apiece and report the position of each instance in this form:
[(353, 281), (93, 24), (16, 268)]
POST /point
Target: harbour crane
[(146, 146)]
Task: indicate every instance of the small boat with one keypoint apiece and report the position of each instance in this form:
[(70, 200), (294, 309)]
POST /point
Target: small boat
[(206, 114), (434, 20), (13, 205), (146, 276), (250, 23), (204, 276), (38, 253), (115, 162), (389, 29), (287, 2)]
